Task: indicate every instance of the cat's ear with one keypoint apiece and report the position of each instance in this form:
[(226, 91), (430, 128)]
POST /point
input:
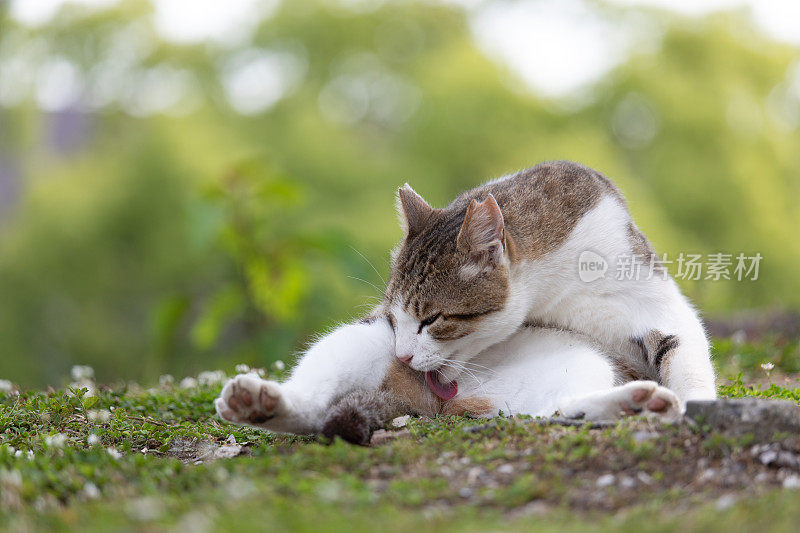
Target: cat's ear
[(412, 210), (482, 232)]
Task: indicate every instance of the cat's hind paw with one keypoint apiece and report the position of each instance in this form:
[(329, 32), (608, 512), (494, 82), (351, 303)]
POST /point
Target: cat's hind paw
[(646, 398), (650, 399), (248, 399)]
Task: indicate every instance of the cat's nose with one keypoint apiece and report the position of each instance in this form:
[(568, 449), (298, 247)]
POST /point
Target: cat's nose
[(405, 358)]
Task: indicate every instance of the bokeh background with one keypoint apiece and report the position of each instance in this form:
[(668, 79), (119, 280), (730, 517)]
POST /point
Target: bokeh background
[(189, 184)]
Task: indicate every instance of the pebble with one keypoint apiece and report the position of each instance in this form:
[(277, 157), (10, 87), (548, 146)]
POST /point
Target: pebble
[(725, 501), (643, 436), (473, 474), (505, 469), (605, 480), (792, 482), (400, 421)]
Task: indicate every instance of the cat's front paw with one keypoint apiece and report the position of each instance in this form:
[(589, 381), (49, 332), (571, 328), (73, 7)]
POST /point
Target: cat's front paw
[(650, 399), (248, 399)]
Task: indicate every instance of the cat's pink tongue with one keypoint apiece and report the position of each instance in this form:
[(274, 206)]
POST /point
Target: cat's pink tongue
[(445, 391)]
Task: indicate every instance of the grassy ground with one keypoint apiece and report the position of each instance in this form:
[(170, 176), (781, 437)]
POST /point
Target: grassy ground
[(129, 458)]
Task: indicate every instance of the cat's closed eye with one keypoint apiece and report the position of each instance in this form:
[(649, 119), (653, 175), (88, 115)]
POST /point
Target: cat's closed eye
[(428, 321)]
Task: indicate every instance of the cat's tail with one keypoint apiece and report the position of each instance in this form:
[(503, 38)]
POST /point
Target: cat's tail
[(357, 415)]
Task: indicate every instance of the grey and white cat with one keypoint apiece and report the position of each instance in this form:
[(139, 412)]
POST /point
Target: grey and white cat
[(485, 312)]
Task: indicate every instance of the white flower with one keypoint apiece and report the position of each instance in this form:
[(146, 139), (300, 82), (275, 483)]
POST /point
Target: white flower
[(93, 440), (6, 386), (11, 449), (188, 383), (767, 367), (113, 453), (242, 368), (99, 416), (91, 491), (278, 365), (29, 455), (211, 377), (261, 372), (166, 381), (82, 372), (55, 441), (91, 390), (18, 454)]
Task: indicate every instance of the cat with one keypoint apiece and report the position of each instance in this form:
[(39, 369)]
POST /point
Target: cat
[(487, 311)]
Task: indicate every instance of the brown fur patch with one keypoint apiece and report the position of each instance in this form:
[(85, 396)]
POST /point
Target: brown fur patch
[(409, 387), (541, 205), (473, 405)]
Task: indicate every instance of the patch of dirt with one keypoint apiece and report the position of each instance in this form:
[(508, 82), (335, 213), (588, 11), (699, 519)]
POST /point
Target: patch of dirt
[(601, 469)]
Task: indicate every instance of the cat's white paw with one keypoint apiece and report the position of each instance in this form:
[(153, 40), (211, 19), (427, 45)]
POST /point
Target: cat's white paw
[(248, 399), (646, 398), (650, 399)]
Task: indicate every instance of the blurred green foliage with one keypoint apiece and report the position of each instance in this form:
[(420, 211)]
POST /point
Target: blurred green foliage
[(142, 243)]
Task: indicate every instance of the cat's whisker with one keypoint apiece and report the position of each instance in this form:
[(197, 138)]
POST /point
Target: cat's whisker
[(475, 367), (449, 363), (367, 282), (370, 264)]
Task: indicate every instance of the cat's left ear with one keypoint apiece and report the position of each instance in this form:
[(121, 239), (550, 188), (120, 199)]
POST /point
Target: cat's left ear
[(482, 233), (412, 209)]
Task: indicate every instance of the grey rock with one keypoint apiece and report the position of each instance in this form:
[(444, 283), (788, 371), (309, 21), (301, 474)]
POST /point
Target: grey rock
[(606, 480), (742, 416)]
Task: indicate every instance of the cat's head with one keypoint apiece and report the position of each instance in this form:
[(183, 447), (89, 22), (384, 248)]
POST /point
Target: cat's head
[(449, 284)]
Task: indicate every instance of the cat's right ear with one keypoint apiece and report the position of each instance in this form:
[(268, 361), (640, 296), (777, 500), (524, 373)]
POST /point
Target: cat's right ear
[(412, 210), (482, 234)]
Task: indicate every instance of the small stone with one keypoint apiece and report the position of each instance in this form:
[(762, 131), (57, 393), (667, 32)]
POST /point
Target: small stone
[(473, 474), (792, 482), (707, 475), (536, 508), (627, 482), (606, 480), (644, 436), (400, 421), (505, 469), (465, 492), (227, 451), (725, 502)]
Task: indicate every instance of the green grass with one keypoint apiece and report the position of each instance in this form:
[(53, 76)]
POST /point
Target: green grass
[(127, 458)]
